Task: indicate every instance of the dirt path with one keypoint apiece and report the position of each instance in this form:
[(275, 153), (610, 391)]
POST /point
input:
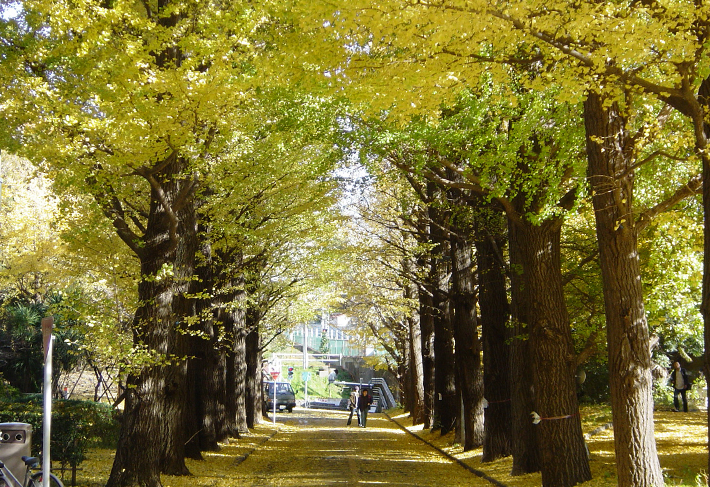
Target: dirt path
[(316, 448)]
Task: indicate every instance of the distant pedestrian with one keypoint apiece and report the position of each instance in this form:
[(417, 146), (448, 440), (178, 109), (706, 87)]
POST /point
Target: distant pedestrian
[(680, 384), (363, 405), (352, 405)]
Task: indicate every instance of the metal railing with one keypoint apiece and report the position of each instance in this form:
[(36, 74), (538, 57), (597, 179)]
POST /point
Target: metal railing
[(387, 399), (297, 358)]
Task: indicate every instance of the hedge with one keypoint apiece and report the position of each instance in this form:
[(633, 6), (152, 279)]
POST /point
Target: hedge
[(76, 426)]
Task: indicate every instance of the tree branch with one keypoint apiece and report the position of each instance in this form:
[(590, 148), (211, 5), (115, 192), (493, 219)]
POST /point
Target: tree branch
[(692, 187)]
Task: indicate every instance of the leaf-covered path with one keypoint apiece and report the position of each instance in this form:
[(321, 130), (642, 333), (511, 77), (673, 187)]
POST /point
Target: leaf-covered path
[(317, 448), (314, 448)]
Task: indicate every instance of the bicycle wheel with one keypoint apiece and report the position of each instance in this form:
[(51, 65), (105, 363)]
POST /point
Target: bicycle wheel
[(36, 480)]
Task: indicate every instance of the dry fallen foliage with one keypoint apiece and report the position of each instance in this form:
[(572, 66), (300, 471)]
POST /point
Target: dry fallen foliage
[(681, 440)]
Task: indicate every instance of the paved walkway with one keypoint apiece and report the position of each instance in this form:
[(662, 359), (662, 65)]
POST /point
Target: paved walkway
[(316, 448)]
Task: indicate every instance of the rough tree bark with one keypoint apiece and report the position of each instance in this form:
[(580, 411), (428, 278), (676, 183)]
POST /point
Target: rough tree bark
[(416, 366), (609, 149), (702, 134), (179, 423), (253, 373), (208, 363), (210, 371), (152, 326), (468, 347), (493, 303), (563, 455), (526, 456), (446, 404), (200, 344), (426, 322), (240, 378), (234, 321)]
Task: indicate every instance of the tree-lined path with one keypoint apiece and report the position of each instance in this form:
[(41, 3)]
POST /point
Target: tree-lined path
[(317, 448), (498, 203)]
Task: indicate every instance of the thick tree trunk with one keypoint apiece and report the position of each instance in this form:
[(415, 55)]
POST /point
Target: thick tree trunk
[(446, 404), (253, 380), (231, 391), (176, 414), (426, 321), (180, 414), (237, 325), (141, 419), (563, 455), (526, 456), (406, 382), (611, 178), (493, 303), (416, 371), (206, 364), (235, 322), (209, 370), (137, 461), (702, 135), (705, 301), (209, 364), (413, 372), (240, 378), (468, 348)]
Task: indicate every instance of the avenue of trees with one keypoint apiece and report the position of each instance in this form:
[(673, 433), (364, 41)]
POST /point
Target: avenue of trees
[(503, 196)]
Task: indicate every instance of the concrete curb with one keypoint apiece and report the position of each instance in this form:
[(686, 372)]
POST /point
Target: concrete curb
[(474, 471), (240, 458)]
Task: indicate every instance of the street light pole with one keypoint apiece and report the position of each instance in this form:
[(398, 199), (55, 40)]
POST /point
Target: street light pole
[(48, 339), (305, 346)]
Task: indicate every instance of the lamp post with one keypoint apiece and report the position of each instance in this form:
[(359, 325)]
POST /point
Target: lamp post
[(305, 346)]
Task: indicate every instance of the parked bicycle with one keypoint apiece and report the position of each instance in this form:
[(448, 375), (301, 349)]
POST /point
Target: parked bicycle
[(33, 476)]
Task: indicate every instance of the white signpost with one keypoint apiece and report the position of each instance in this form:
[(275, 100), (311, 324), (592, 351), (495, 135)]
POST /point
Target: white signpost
[(48, 341), (306, 376)]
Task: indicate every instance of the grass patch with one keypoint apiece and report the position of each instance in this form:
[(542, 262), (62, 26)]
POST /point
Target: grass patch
[(681, 441)]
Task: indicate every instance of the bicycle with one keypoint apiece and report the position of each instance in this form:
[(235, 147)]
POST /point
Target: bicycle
[(33, 476)]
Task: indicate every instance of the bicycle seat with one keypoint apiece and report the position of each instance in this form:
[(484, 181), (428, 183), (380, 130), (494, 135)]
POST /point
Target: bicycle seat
[(30, 461)]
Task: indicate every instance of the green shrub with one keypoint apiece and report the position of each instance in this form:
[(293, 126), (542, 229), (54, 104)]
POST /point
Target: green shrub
[(7, 392), (76, 426)]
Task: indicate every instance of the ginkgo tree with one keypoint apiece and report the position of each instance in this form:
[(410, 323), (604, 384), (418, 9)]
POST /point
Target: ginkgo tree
[(522, 155), (378, 279), (605, 54), (31, 249), (268, 226)]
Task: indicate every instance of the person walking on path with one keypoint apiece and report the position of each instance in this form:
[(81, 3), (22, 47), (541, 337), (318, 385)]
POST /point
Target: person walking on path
[(363, 405), (681, 384), (352, 405)]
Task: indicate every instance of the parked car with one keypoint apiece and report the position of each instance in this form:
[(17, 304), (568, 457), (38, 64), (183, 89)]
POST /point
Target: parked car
[(285, 397)]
